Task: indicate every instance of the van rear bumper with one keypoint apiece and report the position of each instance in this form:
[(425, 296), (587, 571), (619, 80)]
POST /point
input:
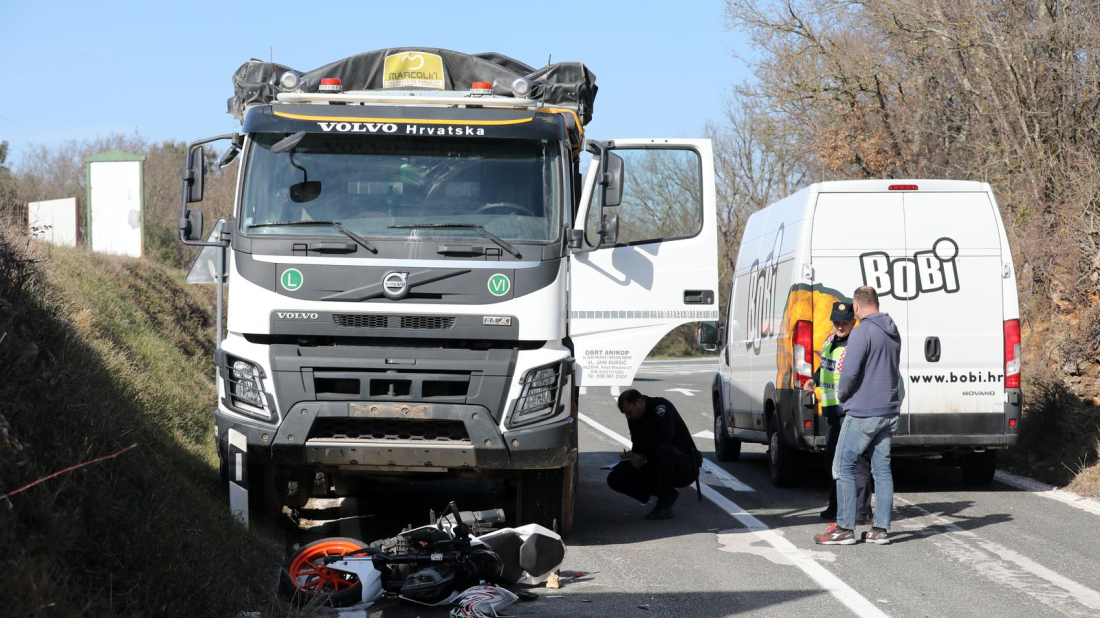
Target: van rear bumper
[(803, 428)]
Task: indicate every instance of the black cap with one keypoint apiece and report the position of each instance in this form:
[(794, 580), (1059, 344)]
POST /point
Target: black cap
[(843, 312)]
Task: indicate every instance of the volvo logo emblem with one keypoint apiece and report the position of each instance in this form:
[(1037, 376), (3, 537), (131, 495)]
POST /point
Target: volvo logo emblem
[(395, 285)]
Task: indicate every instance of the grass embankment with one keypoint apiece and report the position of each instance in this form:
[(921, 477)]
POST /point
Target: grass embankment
[(96, 354), (1059, 438)]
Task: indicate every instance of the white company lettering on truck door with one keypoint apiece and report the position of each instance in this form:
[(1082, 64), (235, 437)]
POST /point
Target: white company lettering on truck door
[(663, 270)]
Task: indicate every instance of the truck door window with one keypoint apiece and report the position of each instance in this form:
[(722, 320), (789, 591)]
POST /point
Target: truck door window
[(662, 197)]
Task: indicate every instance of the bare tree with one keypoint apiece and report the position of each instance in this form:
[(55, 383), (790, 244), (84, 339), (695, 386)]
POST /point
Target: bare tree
[(1002, 91)]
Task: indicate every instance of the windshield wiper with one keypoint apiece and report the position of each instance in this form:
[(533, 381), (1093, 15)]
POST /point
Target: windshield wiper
[(503, 244), (334, 224)]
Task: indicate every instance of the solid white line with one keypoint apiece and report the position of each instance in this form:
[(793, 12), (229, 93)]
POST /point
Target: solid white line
[(584, 390), (716, 471), (1049, 491), (724, 477), (615, 394), (1006, 566), (824, 578), (605, 431), (706, 434)]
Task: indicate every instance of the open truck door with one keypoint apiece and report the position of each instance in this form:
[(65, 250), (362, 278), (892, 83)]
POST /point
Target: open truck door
[(646, 260)]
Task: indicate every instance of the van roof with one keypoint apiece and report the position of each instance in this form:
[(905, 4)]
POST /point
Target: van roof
[(876, 186)]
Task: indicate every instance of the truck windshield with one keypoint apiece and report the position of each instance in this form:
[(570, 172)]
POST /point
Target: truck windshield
[(389, 187)]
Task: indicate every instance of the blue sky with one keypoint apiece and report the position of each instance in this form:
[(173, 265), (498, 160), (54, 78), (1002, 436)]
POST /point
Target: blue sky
[(78, 70)]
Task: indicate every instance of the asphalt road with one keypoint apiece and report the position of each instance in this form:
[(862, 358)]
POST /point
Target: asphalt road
[(747, 548)]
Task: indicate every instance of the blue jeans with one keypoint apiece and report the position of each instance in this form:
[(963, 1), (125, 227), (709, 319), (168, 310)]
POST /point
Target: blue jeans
[(856, 436)]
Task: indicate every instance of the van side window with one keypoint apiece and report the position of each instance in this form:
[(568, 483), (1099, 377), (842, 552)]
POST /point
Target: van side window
[(662, 196)]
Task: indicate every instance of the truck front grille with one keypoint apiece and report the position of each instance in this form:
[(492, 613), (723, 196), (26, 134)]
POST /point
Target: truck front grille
[(389, 430), (413, 322)]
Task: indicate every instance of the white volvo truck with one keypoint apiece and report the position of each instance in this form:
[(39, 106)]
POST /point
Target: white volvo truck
[(423, 275)]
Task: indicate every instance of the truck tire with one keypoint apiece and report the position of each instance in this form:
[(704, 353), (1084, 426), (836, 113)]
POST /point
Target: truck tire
[(725, 447), (781, 458), (266, 494), (978, 468), (542, 498)]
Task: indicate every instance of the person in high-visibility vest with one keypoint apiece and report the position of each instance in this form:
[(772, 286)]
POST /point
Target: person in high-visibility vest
[(825, 382)]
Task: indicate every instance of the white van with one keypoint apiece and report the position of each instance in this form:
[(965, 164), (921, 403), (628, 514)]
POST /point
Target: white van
[(937, 254)]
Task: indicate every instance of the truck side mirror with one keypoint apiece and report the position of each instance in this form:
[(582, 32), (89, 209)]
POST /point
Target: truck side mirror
[(612, 181), (194, 175), (708, 336), (192, 225), (609, 228)]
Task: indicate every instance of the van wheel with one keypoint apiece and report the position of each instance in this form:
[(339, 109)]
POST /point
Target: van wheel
[(978, 468), (780, 460), (543, 499), (725, 447)]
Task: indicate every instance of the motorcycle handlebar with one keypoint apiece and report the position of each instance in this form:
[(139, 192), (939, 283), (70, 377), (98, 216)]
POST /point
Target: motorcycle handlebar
[(491, 516)]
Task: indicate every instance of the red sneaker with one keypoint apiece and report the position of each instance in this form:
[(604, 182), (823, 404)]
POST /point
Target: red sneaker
[(835, 535)]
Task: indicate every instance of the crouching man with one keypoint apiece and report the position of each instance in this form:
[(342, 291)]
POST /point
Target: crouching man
[(662, 456)]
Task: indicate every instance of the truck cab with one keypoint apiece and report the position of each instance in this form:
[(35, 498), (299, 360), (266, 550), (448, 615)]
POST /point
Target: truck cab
[(422, 278)]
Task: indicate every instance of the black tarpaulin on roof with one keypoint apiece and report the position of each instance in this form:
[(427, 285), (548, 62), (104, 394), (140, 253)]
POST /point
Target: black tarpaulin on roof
[(563, 84)]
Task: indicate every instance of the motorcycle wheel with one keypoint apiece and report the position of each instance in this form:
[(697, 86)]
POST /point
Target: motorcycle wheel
[(305, 577)]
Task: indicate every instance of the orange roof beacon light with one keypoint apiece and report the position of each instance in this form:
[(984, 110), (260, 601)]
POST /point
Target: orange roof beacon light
[(481, 88), (330, 84)]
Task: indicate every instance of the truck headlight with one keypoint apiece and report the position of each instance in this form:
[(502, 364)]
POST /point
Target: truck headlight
[(539, 396), (244, 388)]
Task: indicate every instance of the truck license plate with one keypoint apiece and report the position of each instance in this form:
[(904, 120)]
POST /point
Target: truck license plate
[(388, 410)]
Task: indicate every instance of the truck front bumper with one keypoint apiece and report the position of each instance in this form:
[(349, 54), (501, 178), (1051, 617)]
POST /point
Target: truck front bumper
[(400, 437)]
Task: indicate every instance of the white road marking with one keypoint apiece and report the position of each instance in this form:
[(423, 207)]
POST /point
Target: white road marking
[(689, 392), (706, 434), (743, 541), (724, 477), (584, 390), (615, 394), (1002, 565), (824, 578), (1049, 491)]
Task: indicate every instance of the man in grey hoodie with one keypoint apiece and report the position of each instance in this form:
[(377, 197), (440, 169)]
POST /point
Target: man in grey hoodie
[(869, 393)]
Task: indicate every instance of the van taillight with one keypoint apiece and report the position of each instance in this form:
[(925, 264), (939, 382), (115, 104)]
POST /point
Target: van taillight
[(802, 351), (1012, 354)]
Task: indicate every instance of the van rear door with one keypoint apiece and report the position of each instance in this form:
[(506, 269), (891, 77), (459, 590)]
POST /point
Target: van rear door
[(851, 233), (954, 341)]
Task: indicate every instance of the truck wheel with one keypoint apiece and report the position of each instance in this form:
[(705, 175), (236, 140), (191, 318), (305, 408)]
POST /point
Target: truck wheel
[(266, 494), (780, 459), (725, 447), (978, 468), (542, 498)]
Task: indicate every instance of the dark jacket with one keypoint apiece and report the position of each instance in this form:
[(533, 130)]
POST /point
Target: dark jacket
[(661, 424), (869, 382)]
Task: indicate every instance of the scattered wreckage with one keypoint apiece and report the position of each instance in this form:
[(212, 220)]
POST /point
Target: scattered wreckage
[(457, 560)]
